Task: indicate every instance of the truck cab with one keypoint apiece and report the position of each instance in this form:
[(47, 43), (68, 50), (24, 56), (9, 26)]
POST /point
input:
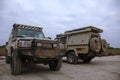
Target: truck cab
[(29, 44)]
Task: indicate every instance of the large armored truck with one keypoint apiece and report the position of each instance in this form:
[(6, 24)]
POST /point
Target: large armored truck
[(28, 44), (82, 44)]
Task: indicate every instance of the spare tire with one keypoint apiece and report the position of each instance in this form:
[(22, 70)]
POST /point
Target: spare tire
[(95, 44), (103, 45)]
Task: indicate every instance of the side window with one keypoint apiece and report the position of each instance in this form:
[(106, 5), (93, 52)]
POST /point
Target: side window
[(63, 40), (11, 34)]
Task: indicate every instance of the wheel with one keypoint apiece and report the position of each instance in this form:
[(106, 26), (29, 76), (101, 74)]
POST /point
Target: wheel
[(103, 45), (95, 45), (16, 64), (55, 65), (87, 60), (7, 59), (72, 58)]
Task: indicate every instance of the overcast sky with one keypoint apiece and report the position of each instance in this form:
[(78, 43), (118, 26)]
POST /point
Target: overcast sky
[(57, 16)]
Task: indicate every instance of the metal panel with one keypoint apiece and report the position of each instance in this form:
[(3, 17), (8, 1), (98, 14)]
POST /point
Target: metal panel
[(83, 49), (78, 39)]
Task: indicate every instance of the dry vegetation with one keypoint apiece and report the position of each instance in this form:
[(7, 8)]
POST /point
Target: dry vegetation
[(2, 51), (113, 51)]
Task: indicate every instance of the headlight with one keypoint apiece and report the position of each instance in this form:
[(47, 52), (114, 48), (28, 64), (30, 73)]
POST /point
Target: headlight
[(54, 45), (39, 44), (24, 43)]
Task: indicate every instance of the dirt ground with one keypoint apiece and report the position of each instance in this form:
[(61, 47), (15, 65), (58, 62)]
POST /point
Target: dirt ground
[(104, 68)]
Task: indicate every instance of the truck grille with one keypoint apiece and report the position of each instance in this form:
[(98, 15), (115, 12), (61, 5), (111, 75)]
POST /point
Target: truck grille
[(47, 45)]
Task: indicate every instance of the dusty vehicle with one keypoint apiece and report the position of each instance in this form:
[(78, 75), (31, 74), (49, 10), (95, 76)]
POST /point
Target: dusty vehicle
[(28, 44), (82, 44)]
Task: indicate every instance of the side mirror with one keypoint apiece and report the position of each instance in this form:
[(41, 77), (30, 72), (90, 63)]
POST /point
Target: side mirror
[(49, 38), (6, 43)]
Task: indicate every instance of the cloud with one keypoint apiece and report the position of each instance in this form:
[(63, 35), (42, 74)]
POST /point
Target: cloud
[(57, 16)]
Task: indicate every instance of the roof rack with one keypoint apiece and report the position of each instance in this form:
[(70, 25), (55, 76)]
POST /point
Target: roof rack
[(27, 27), (85, 29)]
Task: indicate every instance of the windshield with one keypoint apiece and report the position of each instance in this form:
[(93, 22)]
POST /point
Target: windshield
[(63, 39), (29, 33)]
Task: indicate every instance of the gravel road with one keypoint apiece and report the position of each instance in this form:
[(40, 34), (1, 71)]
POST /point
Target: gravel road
[(104, 68)]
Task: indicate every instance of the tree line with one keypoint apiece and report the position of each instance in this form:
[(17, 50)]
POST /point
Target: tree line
[(2, 46)]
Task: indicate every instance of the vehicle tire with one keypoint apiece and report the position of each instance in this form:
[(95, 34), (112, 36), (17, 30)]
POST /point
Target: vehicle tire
[(72, 58), (7, 59), (87, 60), (95, 44), (103, 45), (55, 65), (16, 64)]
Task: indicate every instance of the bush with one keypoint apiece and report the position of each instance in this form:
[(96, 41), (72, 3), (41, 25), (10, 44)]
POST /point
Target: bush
[(2, 50)]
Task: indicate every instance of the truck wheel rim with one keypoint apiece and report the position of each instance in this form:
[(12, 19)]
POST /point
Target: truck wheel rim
[(70, 58)]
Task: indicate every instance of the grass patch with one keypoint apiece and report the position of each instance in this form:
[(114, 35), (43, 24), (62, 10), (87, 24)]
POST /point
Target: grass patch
[(113, 51)]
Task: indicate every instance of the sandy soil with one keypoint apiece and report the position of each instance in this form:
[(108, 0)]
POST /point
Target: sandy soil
[(104, 68)]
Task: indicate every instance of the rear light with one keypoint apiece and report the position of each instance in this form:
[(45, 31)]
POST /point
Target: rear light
[(79, 49)]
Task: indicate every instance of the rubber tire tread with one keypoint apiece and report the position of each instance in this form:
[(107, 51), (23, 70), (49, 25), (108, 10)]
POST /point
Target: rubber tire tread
[(75, 61), (95, 44), (55, 65), (16, 64)]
